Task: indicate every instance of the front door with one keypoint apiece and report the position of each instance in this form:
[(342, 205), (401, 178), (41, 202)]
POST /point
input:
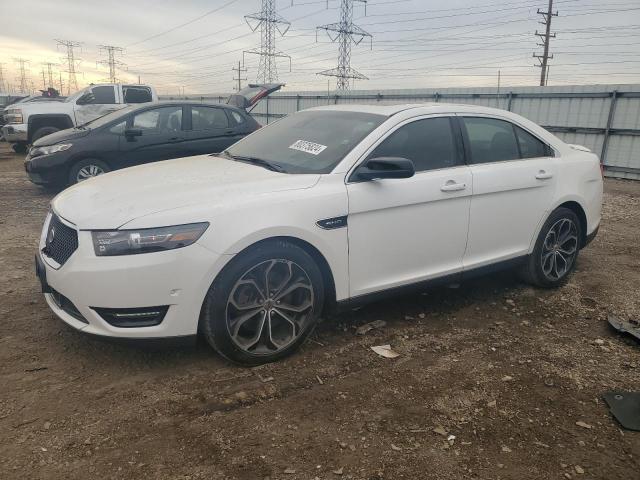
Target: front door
[(97, 102), (152, 135), (514, 180), (403, 231)]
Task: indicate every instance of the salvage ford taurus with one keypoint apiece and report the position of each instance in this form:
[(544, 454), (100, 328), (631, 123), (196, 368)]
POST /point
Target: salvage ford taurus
[(330, 206)]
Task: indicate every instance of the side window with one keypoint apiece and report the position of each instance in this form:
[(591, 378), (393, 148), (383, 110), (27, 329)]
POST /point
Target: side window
[(118, 128), (208, 118), (429, 143), (237, 117), (159, 120), (530, 146), (136, 94), (103, 95), (491, 140)]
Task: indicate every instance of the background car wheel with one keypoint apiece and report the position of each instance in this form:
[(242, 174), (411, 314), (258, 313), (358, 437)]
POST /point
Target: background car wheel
[(43, 132), (85, 169), (264, 303), (19, 147), (556, 250)]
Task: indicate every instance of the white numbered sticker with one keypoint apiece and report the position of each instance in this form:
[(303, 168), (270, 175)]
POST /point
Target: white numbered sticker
[(308, 147)]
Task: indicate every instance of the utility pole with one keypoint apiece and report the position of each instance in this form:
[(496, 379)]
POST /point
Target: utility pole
[(44, 80), (239, 71), (546, 39), (111, 61), (269, 22), (71, 63), (23, 74), (346, 33), (61, 84)]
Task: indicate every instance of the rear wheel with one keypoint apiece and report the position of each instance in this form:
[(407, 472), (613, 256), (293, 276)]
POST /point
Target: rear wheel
[(43, 132), (87, 168), (556, 250), (264, 304), (19, 147)]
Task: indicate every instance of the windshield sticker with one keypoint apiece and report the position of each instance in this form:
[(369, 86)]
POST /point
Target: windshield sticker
[(308, 147)]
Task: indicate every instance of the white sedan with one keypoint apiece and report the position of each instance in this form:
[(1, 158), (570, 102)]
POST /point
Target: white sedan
[(328, 207)]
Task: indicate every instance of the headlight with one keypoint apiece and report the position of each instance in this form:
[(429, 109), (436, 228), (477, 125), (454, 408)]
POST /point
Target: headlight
[(48, 150), (147, 240), (14, 115)]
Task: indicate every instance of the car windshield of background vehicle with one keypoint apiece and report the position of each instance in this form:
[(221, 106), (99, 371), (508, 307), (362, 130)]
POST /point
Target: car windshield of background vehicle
[(109, 117), (308, 142)]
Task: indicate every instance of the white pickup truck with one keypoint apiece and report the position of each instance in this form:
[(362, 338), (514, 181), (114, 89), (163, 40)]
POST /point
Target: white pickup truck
[(27, 122)]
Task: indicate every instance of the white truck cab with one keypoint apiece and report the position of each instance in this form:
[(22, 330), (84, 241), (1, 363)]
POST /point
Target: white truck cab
[(27, 122)]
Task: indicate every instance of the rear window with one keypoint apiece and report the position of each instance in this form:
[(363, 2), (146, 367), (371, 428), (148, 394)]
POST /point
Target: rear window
[(136, 94), (312, 141)]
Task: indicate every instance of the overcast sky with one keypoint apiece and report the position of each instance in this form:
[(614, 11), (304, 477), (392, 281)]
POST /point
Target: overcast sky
[(193, 45)]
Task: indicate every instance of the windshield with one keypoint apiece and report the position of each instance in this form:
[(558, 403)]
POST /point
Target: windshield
[(313, 141), (103, 120)]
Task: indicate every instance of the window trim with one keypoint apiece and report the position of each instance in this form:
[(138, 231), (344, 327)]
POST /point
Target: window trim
[(461, 160), (467, 146)]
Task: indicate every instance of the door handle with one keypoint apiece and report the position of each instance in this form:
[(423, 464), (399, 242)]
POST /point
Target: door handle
[(228, 132), (542, 175), (453, 186), (175, 139)]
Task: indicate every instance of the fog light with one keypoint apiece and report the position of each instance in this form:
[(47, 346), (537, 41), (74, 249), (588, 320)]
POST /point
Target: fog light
[(133, 317)]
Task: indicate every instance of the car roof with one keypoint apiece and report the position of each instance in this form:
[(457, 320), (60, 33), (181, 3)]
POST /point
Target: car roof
[(421, 108), (181, 102)]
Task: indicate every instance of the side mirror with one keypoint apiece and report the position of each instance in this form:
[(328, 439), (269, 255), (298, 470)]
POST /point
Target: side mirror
[(130, 133), (384, 167)]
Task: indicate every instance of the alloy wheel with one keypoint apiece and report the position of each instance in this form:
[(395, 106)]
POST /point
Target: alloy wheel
[(89, 171), (269, 307), (559, 249)]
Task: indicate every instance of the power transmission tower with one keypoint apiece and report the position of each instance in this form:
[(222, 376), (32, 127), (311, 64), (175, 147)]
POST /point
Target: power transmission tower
[(239, 71), (50, 66), (111, 61), (44, 79), (71, 63), (23, 74), (346, 33), (546, 38), (2, 85), (269, 22)]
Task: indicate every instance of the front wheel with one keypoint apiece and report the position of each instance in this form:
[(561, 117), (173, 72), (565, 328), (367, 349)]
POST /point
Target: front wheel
[(556, 250), (264, 303), (85, 169)]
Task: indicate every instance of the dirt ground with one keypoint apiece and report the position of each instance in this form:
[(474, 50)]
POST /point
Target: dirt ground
[(507, 369)]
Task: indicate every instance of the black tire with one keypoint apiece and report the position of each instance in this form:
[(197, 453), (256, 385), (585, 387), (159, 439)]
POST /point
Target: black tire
[(43, 132), (217, 308), (84, 164), (534, 272), (19, 147)]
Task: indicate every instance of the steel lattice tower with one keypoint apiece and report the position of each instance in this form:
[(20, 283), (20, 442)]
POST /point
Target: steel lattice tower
[(2, 79), (23, 74), (111, 61), (71, 63), (50, 66), (346, 34), (269, 22)]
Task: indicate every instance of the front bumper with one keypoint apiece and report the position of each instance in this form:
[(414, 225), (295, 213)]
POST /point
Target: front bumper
[(15, 132), (47, 169), (178, 278)]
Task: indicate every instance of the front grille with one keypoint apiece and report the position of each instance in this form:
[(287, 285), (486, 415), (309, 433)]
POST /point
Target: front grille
[(67, 305), (61, 241)]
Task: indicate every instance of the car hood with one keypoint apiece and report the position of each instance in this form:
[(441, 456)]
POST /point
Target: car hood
[(112, 200), (62, 136)]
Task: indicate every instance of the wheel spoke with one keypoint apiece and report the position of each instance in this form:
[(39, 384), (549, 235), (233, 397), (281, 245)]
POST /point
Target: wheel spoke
[(248, 342), (287, 340), (295, 308), (292, 288)]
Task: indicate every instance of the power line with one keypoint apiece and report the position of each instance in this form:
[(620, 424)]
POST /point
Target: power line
[(345, 33), (111, 61), (69, 45), (269, 22)]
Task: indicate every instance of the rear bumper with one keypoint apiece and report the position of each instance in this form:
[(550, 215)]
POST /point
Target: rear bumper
[(15, 133)]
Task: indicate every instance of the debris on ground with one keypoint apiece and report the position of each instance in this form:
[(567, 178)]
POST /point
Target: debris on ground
[(361, 330), (625, 407), (632, 327), (385, 351)]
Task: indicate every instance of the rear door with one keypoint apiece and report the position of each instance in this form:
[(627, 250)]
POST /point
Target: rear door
[(514, 180), (211, 130), (154, 134)]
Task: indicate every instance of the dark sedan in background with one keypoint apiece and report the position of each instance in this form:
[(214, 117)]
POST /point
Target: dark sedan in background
[(133, 136), (142, 134)]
